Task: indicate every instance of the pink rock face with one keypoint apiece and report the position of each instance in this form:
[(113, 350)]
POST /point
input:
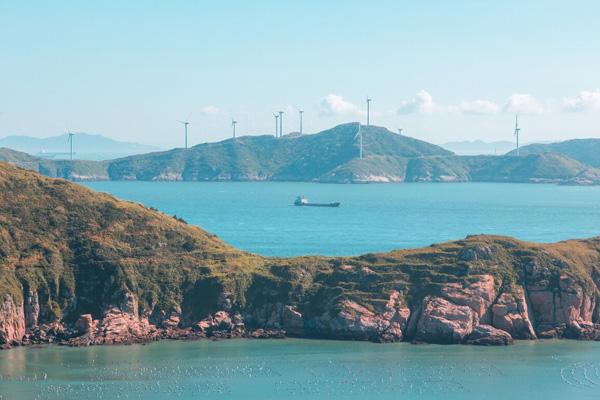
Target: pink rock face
[(486, 335), (478, 295), (122, 327), (12, 321), (219, 321), (444, 322), (355, 321), (510, 314), (568, 304), (118, 325)]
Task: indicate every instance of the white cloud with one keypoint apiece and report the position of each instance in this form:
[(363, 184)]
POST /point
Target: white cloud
[(584, 101), (210, 110), (333, 104), (479, 107), (422, 103), (522, 103)]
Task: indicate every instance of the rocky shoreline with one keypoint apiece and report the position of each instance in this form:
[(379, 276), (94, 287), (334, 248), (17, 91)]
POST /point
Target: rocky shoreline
[(472, 314)]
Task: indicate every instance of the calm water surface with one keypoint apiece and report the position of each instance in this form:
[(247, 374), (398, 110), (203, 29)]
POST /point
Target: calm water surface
[(259, 217), (300, 369)]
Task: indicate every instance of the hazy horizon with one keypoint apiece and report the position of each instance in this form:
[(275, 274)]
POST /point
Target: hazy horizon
[(452, 72)]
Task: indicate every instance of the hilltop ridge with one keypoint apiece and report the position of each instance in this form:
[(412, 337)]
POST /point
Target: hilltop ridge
[(586, 151)]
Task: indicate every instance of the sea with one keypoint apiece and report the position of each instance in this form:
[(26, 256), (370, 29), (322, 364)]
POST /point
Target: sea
[(261, 218)]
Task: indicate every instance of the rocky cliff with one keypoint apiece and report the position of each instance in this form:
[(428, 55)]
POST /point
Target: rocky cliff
[(82, 268)]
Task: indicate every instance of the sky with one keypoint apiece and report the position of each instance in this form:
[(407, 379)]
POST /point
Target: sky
[(440, 70)]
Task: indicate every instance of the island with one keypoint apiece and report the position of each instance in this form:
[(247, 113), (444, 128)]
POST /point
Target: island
[(331, 156), (83, 268)]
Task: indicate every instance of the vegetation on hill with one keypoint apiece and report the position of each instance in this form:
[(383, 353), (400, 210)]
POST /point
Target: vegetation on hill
[(75, 170), (329, 156), (586, 151), (291, 158)]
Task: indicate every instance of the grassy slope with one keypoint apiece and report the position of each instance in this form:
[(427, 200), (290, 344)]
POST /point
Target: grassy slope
[(585, 151), (68, 242)]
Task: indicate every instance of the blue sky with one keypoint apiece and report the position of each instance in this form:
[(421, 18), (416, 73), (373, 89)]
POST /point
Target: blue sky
[(441, 70)]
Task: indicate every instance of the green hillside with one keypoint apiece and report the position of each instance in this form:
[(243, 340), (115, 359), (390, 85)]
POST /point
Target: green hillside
[(291, 158), (586, 151), (328, 156), (75, 170)]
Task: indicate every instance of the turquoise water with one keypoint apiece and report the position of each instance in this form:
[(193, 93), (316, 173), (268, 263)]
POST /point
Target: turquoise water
[(301, 369), (259, 217)]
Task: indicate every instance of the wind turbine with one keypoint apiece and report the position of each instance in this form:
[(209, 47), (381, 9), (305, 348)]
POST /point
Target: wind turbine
[(400, 130), (70, 139), (360, 138), (280, 123), (276, 124), (185, 125), (233, 122), (517, 130), (301, 112), (368, 111)]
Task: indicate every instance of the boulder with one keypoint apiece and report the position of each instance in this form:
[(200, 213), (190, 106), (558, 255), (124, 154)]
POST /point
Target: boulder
[(510, 313), (477, 295), (444, 322), (475, 253), (85, 324), (486, 335), (357, 322)]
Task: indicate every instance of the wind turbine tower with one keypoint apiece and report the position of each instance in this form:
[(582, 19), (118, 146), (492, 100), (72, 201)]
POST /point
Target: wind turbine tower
[(360, 141), (301, 112), (185, 128), (71, 144), (233, 123), (276, 124), (368, 111), (517, 130), (280, 123)]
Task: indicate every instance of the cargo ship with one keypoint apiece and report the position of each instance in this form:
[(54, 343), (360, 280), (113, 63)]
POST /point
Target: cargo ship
[(303, 201)]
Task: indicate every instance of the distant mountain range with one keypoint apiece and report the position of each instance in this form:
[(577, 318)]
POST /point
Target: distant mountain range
[(86, 146), (328, 156), (479, 147)]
